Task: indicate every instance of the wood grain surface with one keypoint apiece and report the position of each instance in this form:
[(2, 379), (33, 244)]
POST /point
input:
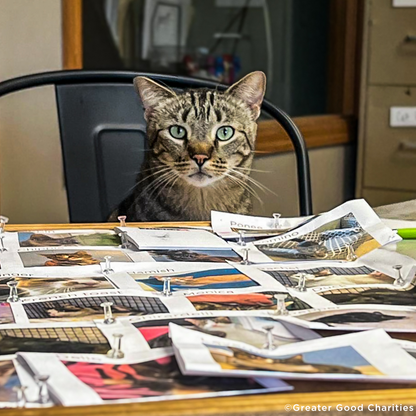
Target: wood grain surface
[(72, 34), (318, 131)]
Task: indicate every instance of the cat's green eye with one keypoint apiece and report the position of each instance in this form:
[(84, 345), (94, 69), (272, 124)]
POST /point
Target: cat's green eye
[(225, 133), (177, 132)]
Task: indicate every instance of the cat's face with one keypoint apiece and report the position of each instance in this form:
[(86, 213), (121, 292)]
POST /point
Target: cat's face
[(203, 136)]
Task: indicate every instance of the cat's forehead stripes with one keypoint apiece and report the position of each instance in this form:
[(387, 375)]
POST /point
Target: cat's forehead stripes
[(203, 105)]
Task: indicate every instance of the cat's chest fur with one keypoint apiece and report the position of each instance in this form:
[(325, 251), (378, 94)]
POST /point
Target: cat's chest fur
[(186, 203)]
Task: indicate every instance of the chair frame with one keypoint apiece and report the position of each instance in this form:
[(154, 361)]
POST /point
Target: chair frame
[(126, 77)]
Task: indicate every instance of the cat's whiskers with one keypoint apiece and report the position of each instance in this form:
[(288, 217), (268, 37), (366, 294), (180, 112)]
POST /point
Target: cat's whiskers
[(162, 185), (156, 181), (265, 189), (251, 169), (173, 184), (145, 170), (171, 179), (153, 168), (163, 170), (243, 185)]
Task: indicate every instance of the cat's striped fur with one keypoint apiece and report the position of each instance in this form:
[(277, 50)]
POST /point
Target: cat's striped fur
[(185, 178)]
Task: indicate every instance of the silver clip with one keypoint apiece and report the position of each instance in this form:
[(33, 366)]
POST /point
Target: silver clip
[(269, 345), (3, 221), (301, 286), (351, 256), (108, 313), (21, 399), (399, 281), (116, 352), (2, 247), (245, 260), (107, 266), (241, 235), (166, 286), (124, 239), (276, 217), (13, 295), (281, 304), (43, 395)]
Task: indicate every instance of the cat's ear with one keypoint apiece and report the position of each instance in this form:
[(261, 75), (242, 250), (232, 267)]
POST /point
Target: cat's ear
[(151, 93), (251, 90)]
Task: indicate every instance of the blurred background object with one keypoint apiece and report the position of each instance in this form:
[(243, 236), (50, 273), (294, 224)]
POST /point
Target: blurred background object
[(217, 39), (309, 50)]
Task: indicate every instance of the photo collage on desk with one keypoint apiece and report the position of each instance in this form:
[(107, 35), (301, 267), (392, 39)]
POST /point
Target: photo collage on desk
[(115, 311)]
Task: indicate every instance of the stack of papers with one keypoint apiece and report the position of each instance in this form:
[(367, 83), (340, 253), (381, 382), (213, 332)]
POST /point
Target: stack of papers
[(130, 315)]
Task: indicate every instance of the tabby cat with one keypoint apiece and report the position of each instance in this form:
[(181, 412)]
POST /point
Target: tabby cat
[(201, 150)]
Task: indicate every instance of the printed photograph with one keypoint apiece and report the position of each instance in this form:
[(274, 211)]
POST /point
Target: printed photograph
[(89, 308), (371, 295), (70, 257), (331, 276), (340, 360), (91, 238), (205, 279), (6, 314), (248, 329), (244, 302), (36, 286), (374, 318), (341, 239), (253, 234), (151, 379), (57, 340), (8, 380), (208, 256)]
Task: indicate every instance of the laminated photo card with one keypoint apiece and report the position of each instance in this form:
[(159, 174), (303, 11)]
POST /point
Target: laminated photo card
[(94, 342), (154, 239), (191, 277), (189, 255), (33, 286), (14, 378), (345, 233), (67, 338), (88, 306), (228, 225), (252, 328), (152, 378), (352, 357), (357, 317), (81, 260), (61, 238), (378, 267)]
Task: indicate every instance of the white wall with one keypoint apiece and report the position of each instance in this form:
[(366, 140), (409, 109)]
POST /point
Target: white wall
[(31, 172), (332, 171)]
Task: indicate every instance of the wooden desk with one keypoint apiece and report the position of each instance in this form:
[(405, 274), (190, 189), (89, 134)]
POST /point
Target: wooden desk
[(306, 393)]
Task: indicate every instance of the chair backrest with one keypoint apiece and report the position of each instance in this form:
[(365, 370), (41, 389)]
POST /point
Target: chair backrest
[(103, 135)]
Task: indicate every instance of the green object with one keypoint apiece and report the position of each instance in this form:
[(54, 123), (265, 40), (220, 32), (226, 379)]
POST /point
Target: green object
[(407, 233)]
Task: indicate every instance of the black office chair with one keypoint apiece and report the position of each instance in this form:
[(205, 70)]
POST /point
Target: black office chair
[(103, 135)]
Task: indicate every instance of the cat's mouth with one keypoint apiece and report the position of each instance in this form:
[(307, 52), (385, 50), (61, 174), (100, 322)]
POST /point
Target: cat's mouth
[(200, 179), (199, 175)]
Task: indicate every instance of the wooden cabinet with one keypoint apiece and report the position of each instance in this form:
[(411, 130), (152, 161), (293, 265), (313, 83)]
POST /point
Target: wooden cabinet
[(387, 155), (391, 43)]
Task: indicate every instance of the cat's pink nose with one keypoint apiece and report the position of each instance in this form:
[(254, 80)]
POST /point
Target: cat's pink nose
[(200, 159)]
